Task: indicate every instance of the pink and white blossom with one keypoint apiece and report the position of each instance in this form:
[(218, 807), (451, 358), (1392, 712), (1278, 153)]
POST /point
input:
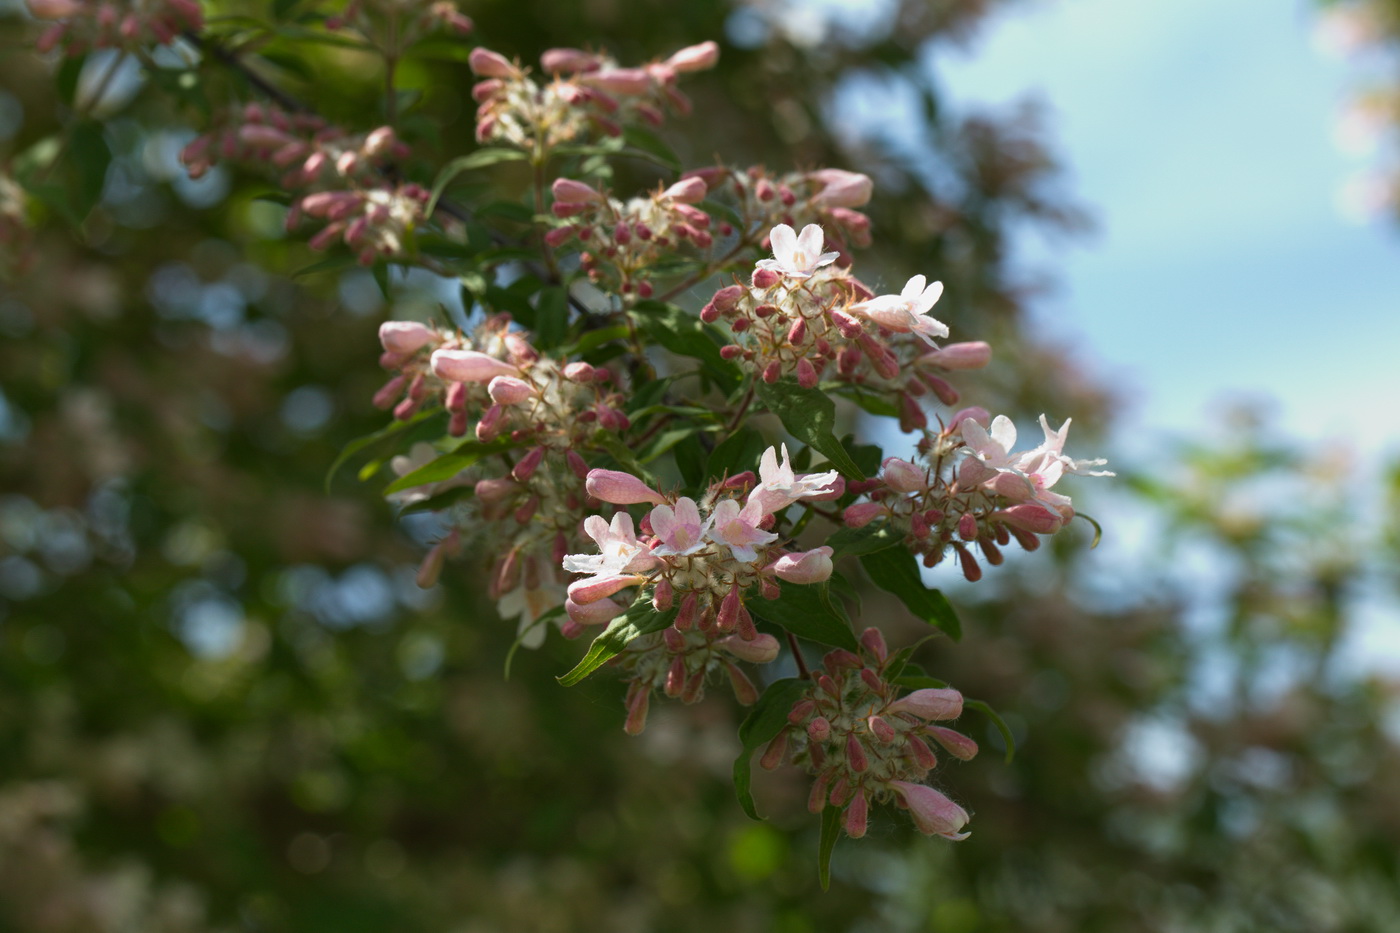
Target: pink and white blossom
[(679, 528), (618, 548), (621, 488), (907, 312), (797, 256), (812, 566), (738, 529), (779, 487), (933, 813)]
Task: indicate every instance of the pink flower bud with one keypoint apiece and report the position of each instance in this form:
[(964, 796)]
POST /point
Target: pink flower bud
[(764, 279), (661, 597), (528, 464), (568, 191), (903, 476), (379, 142), (637, 713), (941, 388), (568, 61), (469, 366), (862, 514), (933, 813), (923, 755), (1033, 518), (694, 57), (598, 612), (390, 393), (489, 427), (819, 729), (956, 744), (727, 298), (840, 188), (857, 816), (621, 488), (592, 589), (744, 690), (811, 566), (874, 642), (881, 729), (772, 372), (490, 64), (760, 650), (621, 80), (579, 372), (806, 374), (970, 568), (405, 336), (775, 752), (930, 704), (60, 9), (686, 191), (816, 800), (967, 526), (855, 754), (509, 390), (973, 354)]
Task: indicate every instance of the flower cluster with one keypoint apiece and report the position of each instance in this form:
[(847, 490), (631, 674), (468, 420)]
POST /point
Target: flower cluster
[(803, 313), (84, 25), (407, 20), (308, 149), (497, 387), (865, 744), (375, 223), (973, 490), (627, 239), (704, 559), (587, 92)]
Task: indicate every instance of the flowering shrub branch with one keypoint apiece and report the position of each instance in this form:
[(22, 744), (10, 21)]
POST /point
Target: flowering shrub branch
[(592, 446)]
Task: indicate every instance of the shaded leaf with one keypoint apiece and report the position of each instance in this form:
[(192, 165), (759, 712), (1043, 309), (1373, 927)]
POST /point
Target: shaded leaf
[(896, 571), (1005, 730), (637, 621), (810, 416), (479, 159), (808, 611), (866, 540), (767, 718), (831, 831)]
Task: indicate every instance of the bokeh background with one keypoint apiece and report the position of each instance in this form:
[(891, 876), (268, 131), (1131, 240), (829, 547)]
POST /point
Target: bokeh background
[(224, 704)]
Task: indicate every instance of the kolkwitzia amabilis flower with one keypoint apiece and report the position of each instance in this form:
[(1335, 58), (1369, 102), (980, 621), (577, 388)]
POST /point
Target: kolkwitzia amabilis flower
[(737, 528), (797, 255), (779, 487), (908, 311)]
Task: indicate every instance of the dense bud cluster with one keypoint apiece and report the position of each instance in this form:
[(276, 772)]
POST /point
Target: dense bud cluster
[(307, 149), (587, 92), (538, 413), (865, 744), (84, 25), (625, 240)]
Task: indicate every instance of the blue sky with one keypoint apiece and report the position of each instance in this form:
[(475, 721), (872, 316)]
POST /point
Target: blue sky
[(1201, 135)]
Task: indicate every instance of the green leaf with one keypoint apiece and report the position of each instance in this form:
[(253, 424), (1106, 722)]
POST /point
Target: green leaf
[(637, 621), (91, 157), (1098, 529), (808, 611), (479, 159), (831, 831), (551, 317), (767, 718), (865, 540), (689, 455), (623, 454), (738, 452), (596, 338), (686, 335), (651, 146), (664, 441), (467, 454), (868, 402), (984, 708), (360, 443), (896, 571), (810, 416)]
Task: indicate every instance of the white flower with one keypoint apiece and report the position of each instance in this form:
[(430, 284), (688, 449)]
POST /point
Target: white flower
[(795, 255), (619, 549), (908, 311), (1028, 476), (779, 487)]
